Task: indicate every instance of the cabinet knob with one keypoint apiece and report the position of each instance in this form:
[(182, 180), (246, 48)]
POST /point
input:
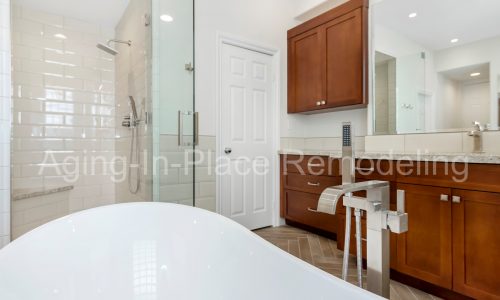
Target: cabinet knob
[(318, 103), (323, 102), (456, 199), (445, 198)]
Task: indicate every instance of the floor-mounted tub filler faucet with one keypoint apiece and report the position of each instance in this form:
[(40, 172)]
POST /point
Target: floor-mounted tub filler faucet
[(477, 134), (379, 219)]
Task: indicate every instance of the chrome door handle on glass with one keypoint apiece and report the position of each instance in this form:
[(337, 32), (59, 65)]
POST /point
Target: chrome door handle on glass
[(180, 129)]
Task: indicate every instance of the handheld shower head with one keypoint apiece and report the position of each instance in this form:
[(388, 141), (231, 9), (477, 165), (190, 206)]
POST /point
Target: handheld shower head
[(133, 107)]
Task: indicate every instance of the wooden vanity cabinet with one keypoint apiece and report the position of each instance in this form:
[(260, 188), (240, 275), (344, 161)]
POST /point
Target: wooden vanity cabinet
[(328, 60), (452, 247), (303, 179)]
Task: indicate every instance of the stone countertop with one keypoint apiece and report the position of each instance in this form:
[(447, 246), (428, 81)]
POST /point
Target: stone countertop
[(32, 193), (473, 158)]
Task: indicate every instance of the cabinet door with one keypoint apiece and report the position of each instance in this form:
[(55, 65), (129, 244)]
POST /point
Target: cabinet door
[(345, 62), (476, 244), (424, 251), (306, 71)]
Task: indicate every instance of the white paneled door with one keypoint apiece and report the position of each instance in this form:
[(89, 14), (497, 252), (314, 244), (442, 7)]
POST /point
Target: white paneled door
[(247, 130)]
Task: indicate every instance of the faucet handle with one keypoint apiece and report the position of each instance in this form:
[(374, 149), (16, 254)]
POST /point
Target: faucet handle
[(400, 202)]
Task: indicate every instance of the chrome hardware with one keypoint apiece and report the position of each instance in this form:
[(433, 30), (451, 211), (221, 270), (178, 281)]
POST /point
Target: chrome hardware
[(228, 150), (180, 129), (126, 123), (313, 184), (400, 201), (189, 67), (314, 165), (313, 210), (445, 198), (477, 134), (196, 128), (365, 169), (379, 219), (147, 20), (456, 199)]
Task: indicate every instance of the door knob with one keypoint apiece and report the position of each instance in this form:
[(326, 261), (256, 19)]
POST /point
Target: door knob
[(228, 150)]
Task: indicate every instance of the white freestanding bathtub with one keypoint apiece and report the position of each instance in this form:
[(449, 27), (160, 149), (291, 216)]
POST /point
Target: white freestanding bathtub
[(157, 251)]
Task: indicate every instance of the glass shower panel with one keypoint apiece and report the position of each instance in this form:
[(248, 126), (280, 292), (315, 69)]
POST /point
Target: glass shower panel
[(173, 101)]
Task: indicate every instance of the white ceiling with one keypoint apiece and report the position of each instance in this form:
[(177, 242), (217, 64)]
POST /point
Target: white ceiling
[(102, 12), (439, 21), (463, 74)]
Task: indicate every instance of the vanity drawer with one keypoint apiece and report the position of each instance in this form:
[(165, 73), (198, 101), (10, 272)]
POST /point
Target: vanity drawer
[(297, 205), (311, 165), (372, 169), (309, 183), (478, 177)]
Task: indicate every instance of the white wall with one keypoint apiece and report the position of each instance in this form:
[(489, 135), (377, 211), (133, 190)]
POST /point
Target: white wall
[(473, 54), (265, 22), (5, 116), (447, 105), (411, 79), (133, 79), (475, 97)]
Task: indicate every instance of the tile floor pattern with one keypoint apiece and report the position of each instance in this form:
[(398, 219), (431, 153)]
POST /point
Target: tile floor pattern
[(323, 253)]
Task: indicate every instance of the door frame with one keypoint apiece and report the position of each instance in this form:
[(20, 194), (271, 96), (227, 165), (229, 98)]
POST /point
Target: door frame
[(229, 39)]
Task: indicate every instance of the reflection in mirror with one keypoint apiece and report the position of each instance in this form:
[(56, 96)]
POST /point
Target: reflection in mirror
[(465, 95), (433, 73)]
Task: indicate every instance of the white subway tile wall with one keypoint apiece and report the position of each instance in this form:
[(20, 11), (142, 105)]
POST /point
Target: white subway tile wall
[(5, 119), (63, 115), (176, 173), (133, 78), (445, 143)]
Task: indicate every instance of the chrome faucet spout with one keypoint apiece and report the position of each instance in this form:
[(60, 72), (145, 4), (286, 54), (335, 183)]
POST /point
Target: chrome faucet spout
[(477, 134)]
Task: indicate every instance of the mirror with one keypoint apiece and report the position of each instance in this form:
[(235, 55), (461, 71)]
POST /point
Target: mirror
[(436, 65)]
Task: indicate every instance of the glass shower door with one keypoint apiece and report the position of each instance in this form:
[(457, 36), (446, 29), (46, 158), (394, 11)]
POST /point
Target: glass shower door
[(174, 119)]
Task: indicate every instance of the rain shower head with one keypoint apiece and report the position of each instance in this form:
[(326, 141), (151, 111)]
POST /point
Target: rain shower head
[(107, 48)]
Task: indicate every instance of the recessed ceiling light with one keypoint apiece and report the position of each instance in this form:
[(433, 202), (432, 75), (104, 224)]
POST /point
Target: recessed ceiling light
[(166, 18), (60, 36), (453, 41), (412, 15), (475, 74)]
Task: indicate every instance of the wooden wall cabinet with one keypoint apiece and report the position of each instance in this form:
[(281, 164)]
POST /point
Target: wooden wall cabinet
[(328, 60)]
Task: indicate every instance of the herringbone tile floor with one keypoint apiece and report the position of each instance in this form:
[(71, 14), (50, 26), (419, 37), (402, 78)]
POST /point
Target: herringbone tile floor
[(323, 253)]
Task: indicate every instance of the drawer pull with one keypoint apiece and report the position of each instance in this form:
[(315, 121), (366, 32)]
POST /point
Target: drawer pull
[(365, 169), (313, 210), (456, 200), (445, 198), (314, 165), (313, 184)]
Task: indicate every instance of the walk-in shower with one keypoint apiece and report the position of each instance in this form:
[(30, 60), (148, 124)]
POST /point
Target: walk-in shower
[(95, 115)]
